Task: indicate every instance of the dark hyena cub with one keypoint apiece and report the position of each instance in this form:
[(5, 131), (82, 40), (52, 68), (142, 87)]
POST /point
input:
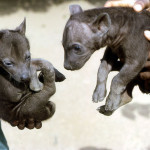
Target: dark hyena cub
[(122, 31), (18, 79)]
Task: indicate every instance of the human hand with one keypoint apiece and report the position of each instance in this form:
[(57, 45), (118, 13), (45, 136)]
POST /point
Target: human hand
[(30, 124), (145, 75), (137, 5)]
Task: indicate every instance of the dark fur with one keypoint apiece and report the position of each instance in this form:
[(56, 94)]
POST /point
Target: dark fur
[(17, 101), (122, 31)]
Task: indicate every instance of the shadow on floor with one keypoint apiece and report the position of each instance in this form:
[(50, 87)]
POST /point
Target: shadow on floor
[(132, 110), (148, 148), (10, 6), (93, 148)]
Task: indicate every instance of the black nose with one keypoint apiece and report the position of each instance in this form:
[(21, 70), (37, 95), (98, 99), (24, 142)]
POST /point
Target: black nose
[(67, 66), (25, 78)]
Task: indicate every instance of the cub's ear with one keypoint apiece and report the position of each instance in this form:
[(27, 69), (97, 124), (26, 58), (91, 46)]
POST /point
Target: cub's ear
[(102, 23), (75, 9), (22, 28), (59, 77)]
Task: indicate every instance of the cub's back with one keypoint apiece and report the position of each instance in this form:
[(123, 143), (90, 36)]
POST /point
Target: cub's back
[(120, 15)]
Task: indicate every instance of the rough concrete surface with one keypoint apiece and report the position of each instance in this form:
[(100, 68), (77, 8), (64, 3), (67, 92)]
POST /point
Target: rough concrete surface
[(76, 124)]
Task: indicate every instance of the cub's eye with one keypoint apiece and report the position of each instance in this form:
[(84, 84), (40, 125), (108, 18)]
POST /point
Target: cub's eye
[(8, 63), (77, 47), (28, 57)]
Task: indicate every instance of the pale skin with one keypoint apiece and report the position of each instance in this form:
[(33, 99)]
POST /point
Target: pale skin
[(137, 5)]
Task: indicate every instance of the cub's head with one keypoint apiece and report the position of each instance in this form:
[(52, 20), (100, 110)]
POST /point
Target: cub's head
[(15, 54), (83, 34)]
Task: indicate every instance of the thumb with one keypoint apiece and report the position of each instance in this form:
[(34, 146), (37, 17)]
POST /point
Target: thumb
[(139, 5), (122, 3), (147, 34)]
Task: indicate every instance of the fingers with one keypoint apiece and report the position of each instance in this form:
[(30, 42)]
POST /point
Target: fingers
[(21, 125), (147, 34), (147, 85), (145, 75), (137, 5), (147, 66), (30, 124), (14, 123), (141, 4), (38, 125), (122, 3)]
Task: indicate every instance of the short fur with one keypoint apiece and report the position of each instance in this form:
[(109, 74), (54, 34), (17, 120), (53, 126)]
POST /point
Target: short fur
[(122, 31), (18, 99), (18, 102)]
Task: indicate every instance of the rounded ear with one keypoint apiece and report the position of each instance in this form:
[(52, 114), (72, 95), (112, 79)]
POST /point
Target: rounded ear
[(22, 28), (102, 23), (75, 9)]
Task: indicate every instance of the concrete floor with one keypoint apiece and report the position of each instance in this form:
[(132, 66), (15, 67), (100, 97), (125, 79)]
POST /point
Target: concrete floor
[(76, 124)]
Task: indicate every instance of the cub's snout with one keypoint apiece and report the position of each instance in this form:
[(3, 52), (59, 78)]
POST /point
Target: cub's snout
[(25, 77)]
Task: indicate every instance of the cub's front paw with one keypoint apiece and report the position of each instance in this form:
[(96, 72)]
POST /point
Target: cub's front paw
[(112, 102), (99, 94)]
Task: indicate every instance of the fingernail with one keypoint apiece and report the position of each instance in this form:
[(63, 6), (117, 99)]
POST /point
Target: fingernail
[(137, 7), (147, 33)]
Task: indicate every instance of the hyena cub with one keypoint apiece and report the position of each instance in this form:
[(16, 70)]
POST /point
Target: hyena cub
[(22, 96), (122, 31)]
